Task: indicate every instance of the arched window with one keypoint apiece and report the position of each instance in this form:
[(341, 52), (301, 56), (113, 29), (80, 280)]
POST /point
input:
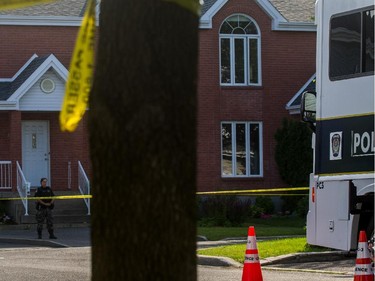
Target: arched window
[(239, 52)]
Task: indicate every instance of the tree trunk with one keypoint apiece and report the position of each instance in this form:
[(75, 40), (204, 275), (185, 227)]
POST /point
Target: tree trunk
[(142, 123)]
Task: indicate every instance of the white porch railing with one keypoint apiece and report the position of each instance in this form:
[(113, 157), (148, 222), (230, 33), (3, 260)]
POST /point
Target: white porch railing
[(23, 188), (5, 174), (84, 185)]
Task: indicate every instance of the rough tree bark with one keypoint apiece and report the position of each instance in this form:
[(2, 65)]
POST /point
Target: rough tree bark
[(142, 123)]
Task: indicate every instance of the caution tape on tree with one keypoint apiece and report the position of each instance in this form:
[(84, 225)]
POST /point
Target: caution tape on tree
[(15, 4), (81, 72)]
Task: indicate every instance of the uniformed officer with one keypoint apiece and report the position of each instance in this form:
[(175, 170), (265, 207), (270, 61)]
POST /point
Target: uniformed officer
[(44, 209)]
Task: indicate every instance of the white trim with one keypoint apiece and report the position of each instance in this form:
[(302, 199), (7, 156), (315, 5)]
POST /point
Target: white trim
[(274, 14), (246, 38), (20, 70), (247, 149), (51, 61), (278, 21), (47, 85), (294, 108), (40, 20), (8, 105), (206, 19), (97, 8), (296, 26)]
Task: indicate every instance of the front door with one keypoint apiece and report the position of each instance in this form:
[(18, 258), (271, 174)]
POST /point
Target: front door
[(35, 151)]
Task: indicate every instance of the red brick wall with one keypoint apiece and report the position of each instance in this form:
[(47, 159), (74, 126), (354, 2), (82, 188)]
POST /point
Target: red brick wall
[(15, 143), (19, 43), (65, 148), (4, 136), (288, 61)]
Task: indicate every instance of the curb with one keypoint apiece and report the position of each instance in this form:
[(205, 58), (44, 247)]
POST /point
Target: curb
[(217, 261), (33, 242), (204, 243), (284, 259), (214, 244), (307, 257)]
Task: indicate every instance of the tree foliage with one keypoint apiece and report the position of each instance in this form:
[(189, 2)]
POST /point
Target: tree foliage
[(293, 153)]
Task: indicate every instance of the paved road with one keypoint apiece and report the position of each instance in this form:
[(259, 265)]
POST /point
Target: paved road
[(65, 264), (39, 264), (68, 258)]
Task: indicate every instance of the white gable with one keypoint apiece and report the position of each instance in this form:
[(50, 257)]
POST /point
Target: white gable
[(35, 99), (31, 95), (278, 21)]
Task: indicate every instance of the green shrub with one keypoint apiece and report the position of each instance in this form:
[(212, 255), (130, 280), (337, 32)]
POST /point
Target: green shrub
[(2, 208), (265, 202), (256, 211), (293, 153), (303, 206), (222, 211)]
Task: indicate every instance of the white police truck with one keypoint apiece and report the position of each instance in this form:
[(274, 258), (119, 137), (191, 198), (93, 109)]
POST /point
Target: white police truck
[(341, 114)]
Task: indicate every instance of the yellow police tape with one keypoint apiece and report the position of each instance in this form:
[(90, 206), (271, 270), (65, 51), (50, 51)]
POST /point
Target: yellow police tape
[(193, 6), (64, 197), (15, 4), (239, 192), (81, 72), (263, 192), (272, 194)]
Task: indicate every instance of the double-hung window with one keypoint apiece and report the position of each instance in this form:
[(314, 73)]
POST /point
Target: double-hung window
[(239, 52), (241, 149)]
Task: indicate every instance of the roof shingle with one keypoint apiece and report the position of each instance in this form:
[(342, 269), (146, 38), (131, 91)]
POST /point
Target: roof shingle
[(69, 8), (292, 10), (296, 10), (8, 88)]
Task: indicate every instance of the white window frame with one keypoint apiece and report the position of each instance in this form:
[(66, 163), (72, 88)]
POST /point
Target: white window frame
[(234, 152), (246, 38)]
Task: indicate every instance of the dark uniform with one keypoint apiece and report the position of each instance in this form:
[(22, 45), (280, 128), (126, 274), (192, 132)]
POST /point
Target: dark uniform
[(44, 212)]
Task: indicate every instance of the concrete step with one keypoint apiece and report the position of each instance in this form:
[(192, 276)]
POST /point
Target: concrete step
[(69, 211), (12, 227), (62, 210), (59, 219)]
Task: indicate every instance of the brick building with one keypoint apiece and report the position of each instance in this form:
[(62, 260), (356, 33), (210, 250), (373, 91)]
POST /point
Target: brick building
[(35, 51), (255, 55)]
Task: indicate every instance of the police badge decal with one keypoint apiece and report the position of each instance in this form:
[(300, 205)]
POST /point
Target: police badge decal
[(335, 146)]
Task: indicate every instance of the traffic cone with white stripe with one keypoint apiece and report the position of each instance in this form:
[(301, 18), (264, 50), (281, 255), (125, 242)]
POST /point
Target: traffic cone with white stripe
[(363, 268), (251, 269)]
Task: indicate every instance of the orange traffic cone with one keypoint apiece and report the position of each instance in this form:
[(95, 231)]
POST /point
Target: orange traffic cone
[(363, 268), (251, 269)]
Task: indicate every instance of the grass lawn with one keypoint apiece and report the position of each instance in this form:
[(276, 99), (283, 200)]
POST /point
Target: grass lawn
[(278, 226), (270, 248)]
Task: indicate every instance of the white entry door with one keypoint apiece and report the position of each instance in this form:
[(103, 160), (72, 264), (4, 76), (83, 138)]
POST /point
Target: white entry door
[(35, 151)]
